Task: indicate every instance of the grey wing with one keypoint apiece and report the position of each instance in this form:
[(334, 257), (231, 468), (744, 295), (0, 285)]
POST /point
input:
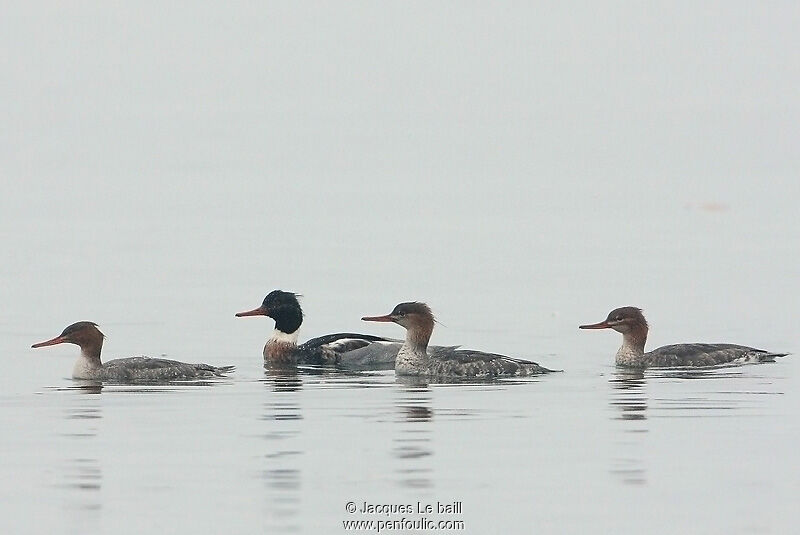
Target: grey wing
[(707, 355), (471, 363), (375, 355), (150, 369), (381, 355)]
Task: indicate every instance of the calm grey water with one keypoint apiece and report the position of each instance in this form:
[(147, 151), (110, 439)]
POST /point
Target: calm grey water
[(523, 169)]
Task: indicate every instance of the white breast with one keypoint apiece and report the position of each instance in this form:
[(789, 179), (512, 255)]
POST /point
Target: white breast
[(280, 337), (84, 369)]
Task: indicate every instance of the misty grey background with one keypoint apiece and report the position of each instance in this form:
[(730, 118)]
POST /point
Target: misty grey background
[(523, 168)]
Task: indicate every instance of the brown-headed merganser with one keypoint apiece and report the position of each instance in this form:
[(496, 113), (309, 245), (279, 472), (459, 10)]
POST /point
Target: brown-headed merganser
[(631, 323), (349, 350), (88, 337), (414, 359)]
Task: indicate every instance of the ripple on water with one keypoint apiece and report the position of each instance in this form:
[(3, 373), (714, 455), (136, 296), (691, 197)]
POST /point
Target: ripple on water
[(82, 474)]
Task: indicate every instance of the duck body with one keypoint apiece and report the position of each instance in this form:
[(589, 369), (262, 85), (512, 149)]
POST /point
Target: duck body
[(358, 351), (631, 323), (88, 337), (145, 369), (678, 355), (469, 364), (416, 359), (345, 350), (350, 350)]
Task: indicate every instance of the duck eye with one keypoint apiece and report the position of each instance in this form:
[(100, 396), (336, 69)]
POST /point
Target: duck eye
[(618, 318)]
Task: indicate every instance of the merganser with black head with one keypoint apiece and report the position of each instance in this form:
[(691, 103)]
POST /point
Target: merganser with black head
[(446, 362), (631, 323), (349, 350), (87, 336)]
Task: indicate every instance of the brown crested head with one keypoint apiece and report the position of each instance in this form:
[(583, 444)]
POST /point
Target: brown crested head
[(412, 314), (623, 320), (81, 333)]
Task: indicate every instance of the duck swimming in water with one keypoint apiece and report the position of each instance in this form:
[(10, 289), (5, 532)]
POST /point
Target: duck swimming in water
[(349, 350), (631, 323), (88, 337), (450, 362)]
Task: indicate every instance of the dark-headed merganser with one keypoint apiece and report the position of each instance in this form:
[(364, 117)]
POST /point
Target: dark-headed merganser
[(414, 359), (352, 350), (631, 323), (88, 337)]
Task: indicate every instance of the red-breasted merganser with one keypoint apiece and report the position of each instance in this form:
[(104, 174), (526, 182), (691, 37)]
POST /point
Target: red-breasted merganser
[(414, 359), (349, 350), (88, 337), (631, 323)]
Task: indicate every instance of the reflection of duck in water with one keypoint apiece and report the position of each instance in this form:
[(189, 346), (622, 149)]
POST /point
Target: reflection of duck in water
[(415, 404), (342, 349), (283, 379), (413, 358), (628, 394), (281, 465), (412, 445), (631, 323), (88, 337)]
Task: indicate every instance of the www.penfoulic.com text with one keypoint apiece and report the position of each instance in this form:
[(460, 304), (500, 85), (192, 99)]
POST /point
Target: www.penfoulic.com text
[(412, 516)]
